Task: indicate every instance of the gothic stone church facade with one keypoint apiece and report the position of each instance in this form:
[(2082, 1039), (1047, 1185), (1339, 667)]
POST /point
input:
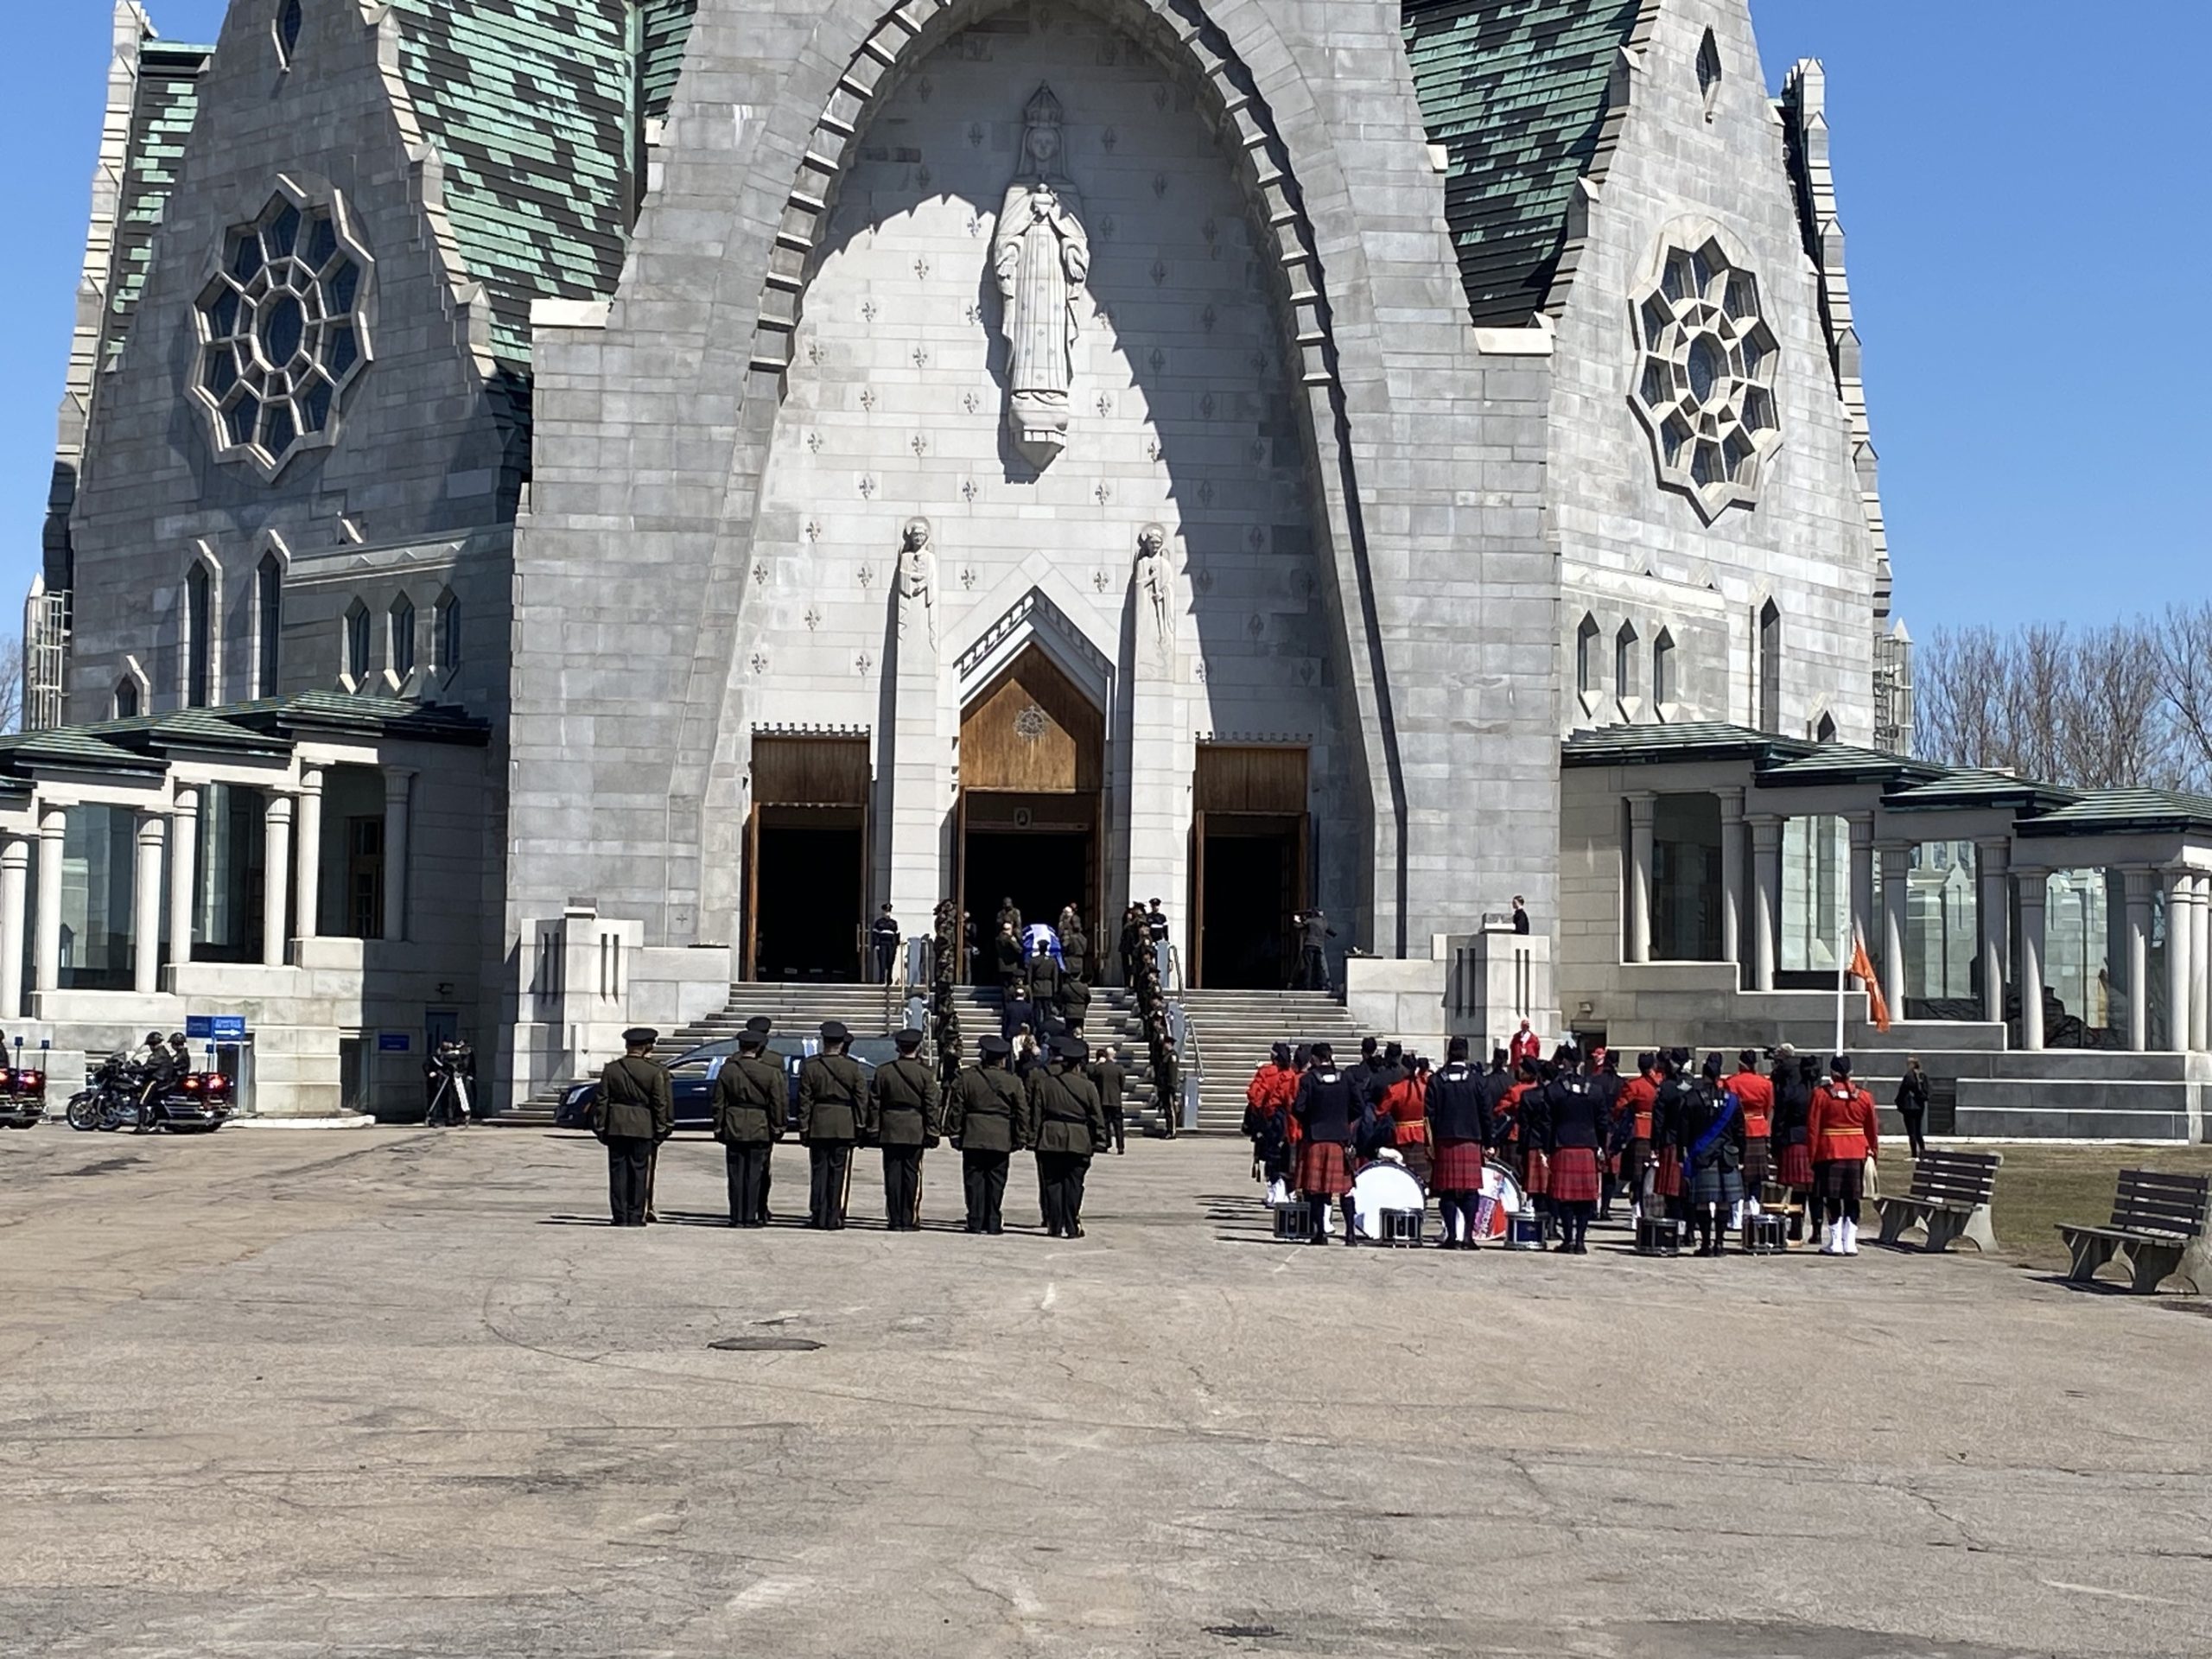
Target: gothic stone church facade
[(566, 503)]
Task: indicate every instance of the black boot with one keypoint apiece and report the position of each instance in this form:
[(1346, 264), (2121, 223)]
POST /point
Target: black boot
[(1351, 1230)]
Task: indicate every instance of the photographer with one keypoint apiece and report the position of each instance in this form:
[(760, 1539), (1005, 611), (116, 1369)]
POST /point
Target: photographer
[(449, 1080)]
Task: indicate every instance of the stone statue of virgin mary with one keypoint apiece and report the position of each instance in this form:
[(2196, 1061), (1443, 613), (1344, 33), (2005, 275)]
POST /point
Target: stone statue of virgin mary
[(1041, 259)]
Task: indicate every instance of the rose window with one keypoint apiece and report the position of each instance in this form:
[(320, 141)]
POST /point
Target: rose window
[(1705, 382), (283, 331)]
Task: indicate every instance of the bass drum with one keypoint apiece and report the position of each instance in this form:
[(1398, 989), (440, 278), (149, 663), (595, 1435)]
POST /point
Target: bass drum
[(1380, 1187), (1502, 1200), (85, 1110)]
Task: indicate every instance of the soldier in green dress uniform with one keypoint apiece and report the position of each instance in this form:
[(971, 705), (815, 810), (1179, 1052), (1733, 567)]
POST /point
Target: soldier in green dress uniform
[(985, 1118), (832, 1105), (902, 1119), (749, 1121)]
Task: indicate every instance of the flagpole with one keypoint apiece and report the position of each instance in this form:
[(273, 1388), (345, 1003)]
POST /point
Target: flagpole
[(1843, 948)]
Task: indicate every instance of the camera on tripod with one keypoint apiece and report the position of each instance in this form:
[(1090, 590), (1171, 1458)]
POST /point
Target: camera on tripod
[(449, 1076)]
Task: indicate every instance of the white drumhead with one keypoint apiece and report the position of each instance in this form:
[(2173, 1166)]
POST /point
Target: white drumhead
[(1383, 1186)]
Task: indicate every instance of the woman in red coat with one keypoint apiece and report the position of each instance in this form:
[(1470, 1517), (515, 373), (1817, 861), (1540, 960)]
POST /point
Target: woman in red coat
[(1845, 1134)]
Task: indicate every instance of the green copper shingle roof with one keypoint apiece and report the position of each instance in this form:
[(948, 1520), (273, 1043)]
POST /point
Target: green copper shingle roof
[(665, 29), (267, 726), (1629, 745), (1514, 91), (163, 105), (528, 103), (2110, 812)]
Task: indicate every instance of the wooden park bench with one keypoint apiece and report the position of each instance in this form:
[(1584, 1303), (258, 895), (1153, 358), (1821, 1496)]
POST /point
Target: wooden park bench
[(2157, 1223), (1949, 1198)]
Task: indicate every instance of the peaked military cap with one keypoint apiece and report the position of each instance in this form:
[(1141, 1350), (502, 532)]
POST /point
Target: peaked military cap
[(908, 1041), (833, 1031), (640, 1037)]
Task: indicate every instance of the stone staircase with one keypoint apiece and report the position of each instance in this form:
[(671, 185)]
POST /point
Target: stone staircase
[(1233, 1031), (1113, 1019)]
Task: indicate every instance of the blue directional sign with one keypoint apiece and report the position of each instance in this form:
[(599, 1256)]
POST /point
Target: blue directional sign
[(395, 1042), (215, 1027)]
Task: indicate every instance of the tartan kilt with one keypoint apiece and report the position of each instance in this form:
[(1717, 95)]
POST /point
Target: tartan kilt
[(1797, 1171), (1458, 1167), (1758, 1163), (1713, 1185), (1323, 1172), (1574, 1175), (1535, 1174), (1668, 1183)]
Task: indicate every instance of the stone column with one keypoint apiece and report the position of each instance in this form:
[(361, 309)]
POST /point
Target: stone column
[(146, 907), (14, 893), (2034, 884), (1641, 806), (53, 828), (2140, 885), (1993, 865), (1766, 898), (309, 881), (2181, 967), (1732, 879), (184, 878), (276, 878), (919, 757), (1164, 713), (1862, 877), (399, 785), (2201, 968), (1897, 893)]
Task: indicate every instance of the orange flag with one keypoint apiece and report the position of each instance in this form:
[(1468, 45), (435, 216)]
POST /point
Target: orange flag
[(1862, 969)]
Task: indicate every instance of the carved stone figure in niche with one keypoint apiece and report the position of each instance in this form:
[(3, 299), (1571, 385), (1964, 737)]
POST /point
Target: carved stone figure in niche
[(1156, 584), (1041, 259), (918, 579)]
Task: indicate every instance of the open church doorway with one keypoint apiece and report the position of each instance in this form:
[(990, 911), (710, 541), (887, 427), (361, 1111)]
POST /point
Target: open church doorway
[(1250, 853), (1032, 773), (806, 864)]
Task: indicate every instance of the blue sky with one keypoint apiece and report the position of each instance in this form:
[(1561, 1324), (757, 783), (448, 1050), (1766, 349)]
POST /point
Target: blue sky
[(2028, 252)]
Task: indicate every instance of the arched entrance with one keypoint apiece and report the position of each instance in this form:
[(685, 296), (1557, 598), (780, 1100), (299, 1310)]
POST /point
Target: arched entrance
[(1031, 818)]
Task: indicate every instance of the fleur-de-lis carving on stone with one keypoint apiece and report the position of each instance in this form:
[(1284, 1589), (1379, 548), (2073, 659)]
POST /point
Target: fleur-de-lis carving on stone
[(1199, 671), (966, 575), (1257, 540), (1202, 578), (1207, 406), (1259, 362), (1154, 449), (867, 487), (974, 135), (922, 269), (760, 573), (921, 355), (814, 352), (867, 310), (924, 88), (1206, 492), (1306, 672), (1106, 228), (867, 576), (968, 490), (814, 530), (970, 401), (1109, 139), (1159, 185), (920, 443), (1259, 451), (973, 312), (1100, 581), (814, 443), (1209, 231), (1105, 404), (1160, 96), (1159, 272), (922, 177), (1255, 625), (863, 662), (1207, 319), (1158, 358), (813, 617), (1102, 492), (975, 225), (867, 399), (759, 662)]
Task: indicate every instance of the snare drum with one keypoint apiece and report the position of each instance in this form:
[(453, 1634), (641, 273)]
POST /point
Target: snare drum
[(1501, 1200)]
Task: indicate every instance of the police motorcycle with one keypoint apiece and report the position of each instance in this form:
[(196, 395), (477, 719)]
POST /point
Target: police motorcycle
[(160, 1092), (23, 1093)]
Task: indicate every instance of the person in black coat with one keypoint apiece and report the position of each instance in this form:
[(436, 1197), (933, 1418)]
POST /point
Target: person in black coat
[(1912, 1106), (1605, 1082), (1459, 1133), (1795, 1080), (1574, 1125), (1329, 1112), (1710, 1130), (1018, 1011)]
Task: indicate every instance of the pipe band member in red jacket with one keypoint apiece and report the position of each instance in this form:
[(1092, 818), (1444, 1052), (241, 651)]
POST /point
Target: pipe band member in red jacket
[(1846, 1133), (1267, 1120), (1755, 1097)]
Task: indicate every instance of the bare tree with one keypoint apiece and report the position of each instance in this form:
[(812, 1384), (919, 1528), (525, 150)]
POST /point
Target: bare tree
[(2125, 704), (11, 683)]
